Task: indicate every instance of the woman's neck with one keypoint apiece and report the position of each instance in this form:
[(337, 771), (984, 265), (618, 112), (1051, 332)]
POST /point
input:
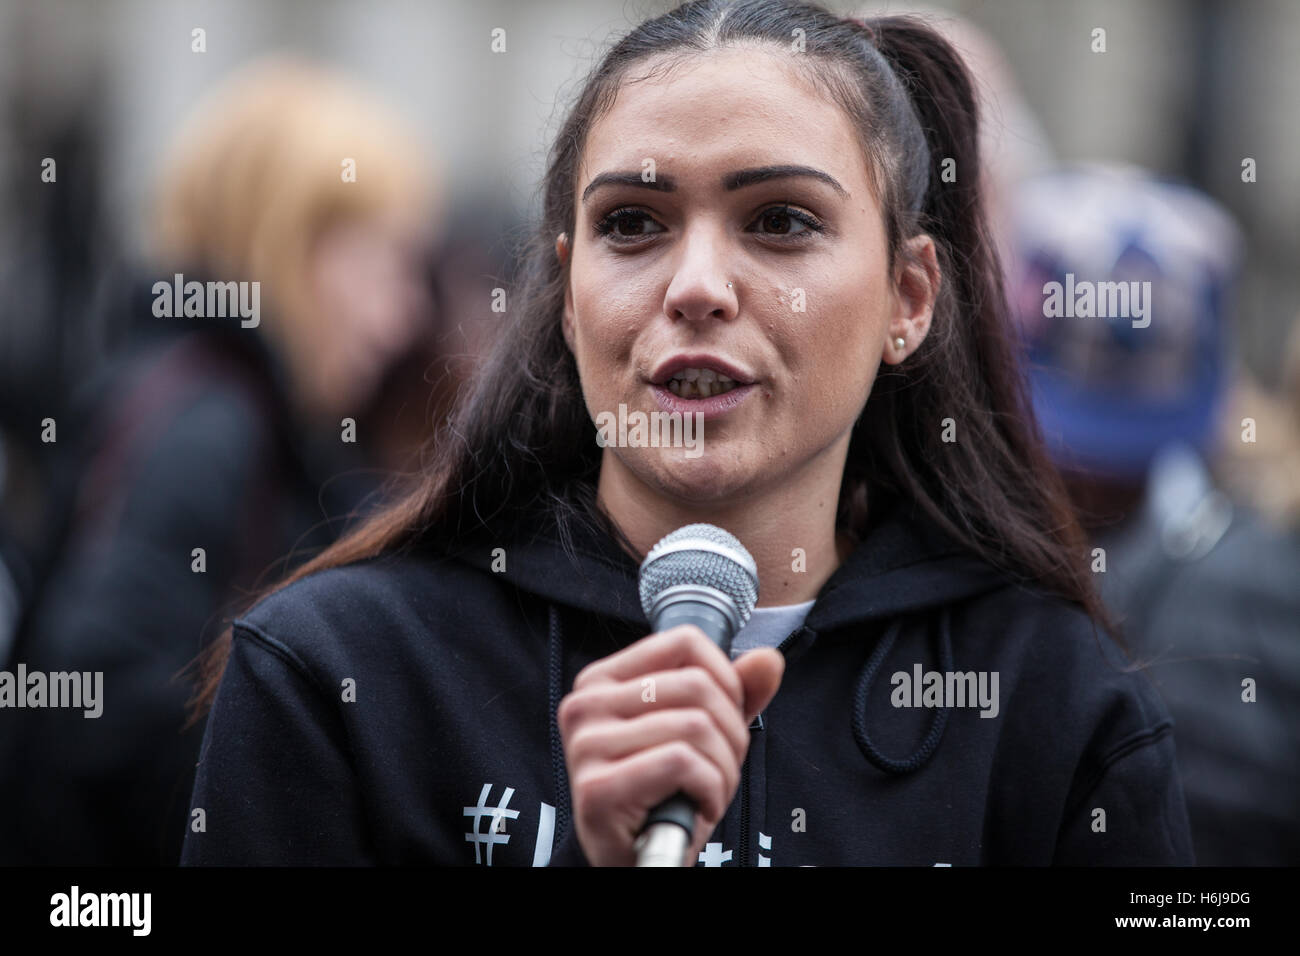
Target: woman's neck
[(789, 530)]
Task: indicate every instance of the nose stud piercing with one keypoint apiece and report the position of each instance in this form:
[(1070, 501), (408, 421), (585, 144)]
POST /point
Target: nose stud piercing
[(728, 285)]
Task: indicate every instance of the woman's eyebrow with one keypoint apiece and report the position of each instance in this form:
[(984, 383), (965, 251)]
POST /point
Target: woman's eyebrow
[(737, 180), (665, 184), (760, 174)]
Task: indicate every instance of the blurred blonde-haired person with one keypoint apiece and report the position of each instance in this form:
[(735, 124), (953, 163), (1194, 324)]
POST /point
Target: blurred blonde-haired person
[(290, 235)]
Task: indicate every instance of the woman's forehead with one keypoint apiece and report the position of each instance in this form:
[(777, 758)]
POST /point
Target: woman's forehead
[(747, 106)]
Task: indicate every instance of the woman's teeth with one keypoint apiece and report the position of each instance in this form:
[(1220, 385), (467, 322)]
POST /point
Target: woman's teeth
[(699, 383)]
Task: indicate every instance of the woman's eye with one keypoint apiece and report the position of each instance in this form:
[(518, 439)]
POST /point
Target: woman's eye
[(627, 224), (786, 221)]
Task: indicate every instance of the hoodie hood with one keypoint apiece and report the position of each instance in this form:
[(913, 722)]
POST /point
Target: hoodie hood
[(904, 568), (904, 564)]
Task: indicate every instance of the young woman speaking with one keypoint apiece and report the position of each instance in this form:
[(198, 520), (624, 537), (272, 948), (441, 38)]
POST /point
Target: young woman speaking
[(745, 216)]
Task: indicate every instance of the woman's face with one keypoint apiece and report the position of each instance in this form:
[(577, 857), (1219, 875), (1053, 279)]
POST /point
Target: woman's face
[(757, 180)]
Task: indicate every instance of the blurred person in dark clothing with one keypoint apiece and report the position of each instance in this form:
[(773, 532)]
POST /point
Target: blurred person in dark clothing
[(220, 448), (1131, 400)]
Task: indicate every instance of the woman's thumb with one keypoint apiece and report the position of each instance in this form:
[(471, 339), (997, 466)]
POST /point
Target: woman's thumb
[(760, 672)]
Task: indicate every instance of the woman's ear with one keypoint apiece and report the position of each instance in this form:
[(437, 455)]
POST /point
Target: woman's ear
[(562, 250), (916, 290)]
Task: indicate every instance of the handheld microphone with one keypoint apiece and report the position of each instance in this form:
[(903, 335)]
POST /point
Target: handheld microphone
[(697, 575)]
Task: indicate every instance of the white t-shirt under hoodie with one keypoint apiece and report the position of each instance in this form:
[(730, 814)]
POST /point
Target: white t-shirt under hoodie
[(769, 626)]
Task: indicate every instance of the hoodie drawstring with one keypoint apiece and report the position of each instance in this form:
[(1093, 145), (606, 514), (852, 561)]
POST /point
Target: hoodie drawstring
[(931, 742), (555, 684)]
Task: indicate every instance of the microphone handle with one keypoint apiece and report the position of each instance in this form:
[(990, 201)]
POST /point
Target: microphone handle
[(670, 826)]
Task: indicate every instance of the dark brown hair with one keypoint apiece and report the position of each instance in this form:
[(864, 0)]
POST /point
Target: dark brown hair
[(522, 438)]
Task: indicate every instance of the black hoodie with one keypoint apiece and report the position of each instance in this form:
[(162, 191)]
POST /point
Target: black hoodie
[(402, 710)]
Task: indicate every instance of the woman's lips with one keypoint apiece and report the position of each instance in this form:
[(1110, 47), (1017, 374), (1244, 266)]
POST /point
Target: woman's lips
[(711, 407)]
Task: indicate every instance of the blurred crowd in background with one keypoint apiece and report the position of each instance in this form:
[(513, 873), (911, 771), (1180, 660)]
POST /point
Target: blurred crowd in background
[(211, 141)]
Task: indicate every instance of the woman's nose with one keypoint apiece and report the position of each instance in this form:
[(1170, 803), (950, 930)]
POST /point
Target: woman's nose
[(701, 286)]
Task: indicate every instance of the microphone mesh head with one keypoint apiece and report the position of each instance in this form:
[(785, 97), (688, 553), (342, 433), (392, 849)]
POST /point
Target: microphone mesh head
[(701, 554)]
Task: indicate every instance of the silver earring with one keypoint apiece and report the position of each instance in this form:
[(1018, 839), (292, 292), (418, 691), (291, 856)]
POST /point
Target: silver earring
[(899, 343)]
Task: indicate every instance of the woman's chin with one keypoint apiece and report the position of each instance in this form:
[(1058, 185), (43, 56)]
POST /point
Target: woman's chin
[(713, 476)]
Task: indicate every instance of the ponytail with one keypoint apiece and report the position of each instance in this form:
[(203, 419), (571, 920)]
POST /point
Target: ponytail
[(939, 90)]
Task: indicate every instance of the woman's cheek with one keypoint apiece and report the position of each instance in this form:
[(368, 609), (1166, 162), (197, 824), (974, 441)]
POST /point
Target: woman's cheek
[(612, 347), (604, 373), (830, 391)]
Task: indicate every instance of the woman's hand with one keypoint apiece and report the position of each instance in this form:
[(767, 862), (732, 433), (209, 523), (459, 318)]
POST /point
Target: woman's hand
[(667, 713)]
